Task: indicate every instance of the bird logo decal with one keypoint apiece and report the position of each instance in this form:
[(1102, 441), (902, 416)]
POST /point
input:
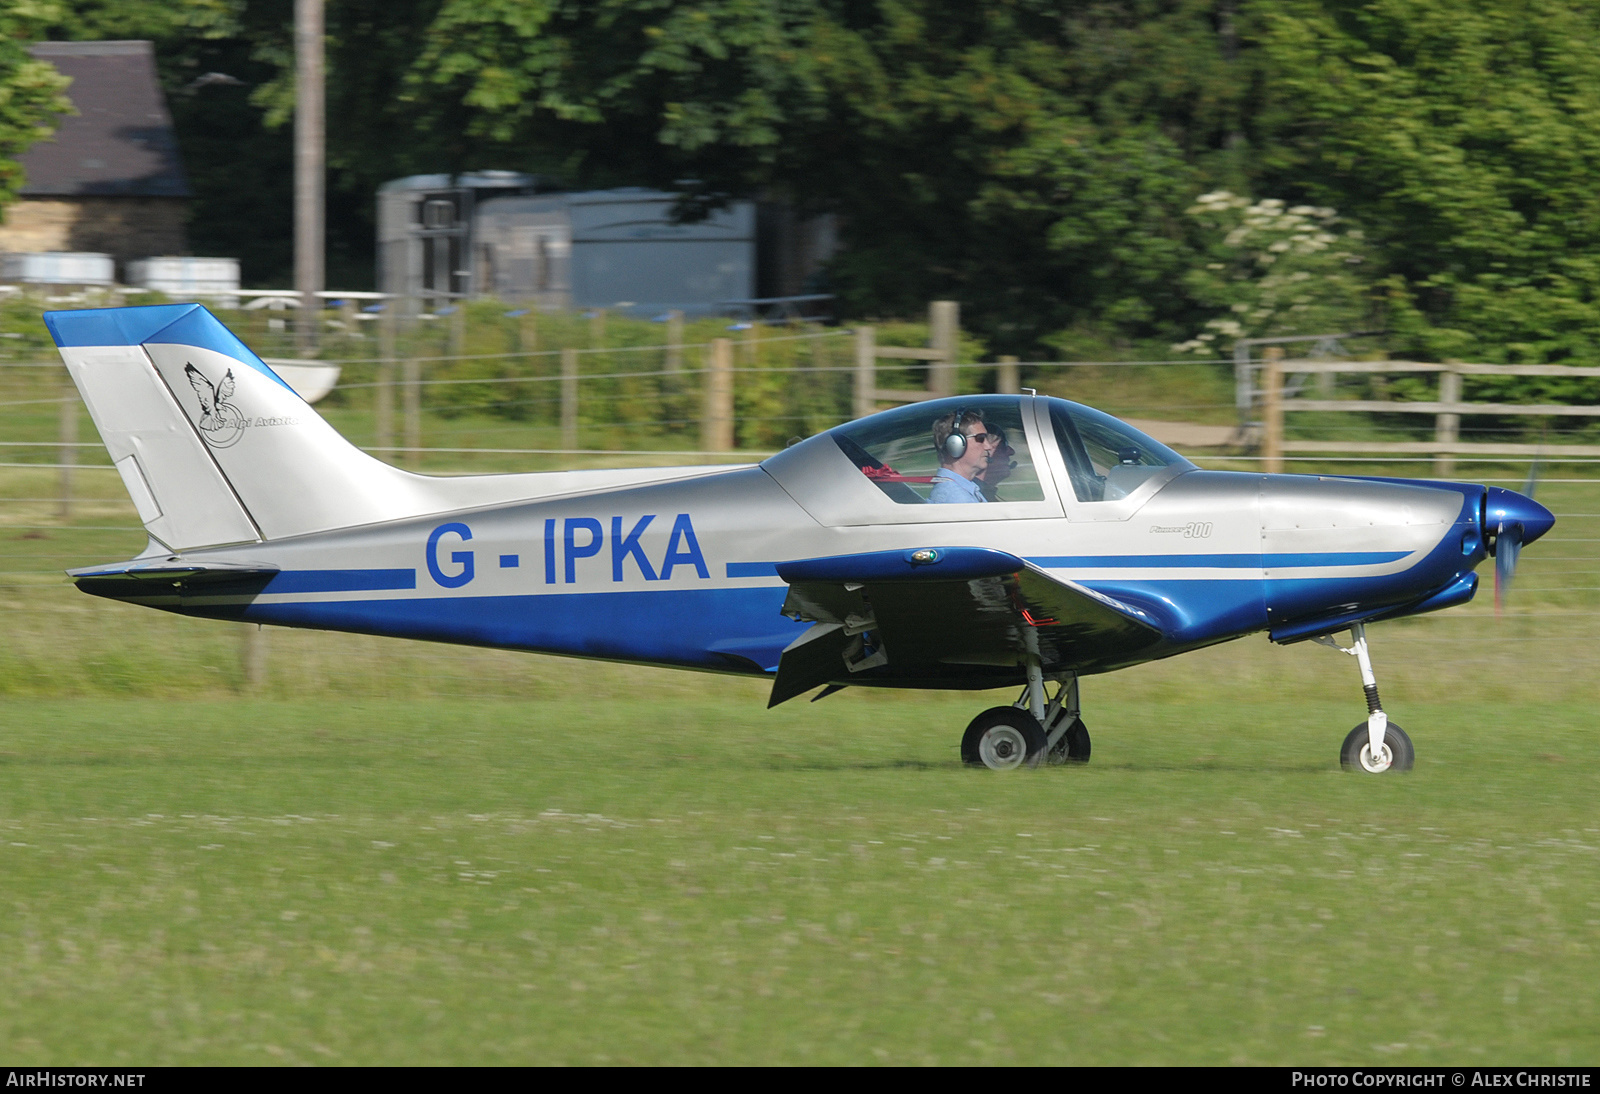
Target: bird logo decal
[(221, 424)]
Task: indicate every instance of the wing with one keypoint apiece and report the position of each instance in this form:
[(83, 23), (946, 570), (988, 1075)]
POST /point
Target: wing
[(950, 617), (202, 388), (225, 389)]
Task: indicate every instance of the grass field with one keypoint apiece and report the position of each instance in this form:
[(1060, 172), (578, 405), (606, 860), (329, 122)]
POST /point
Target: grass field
[(391, 852), (682, 877), (398, 852)]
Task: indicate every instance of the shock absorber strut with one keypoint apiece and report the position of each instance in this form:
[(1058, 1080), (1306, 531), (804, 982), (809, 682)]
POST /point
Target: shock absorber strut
[(1377, 720)]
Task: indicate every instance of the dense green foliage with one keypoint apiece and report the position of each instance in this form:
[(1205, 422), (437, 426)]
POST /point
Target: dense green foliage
[(30, 91), (1036, 160)]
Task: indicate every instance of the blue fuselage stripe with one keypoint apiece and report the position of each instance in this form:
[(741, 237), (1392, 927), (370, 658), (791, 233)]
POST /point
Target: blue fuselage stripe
[(340, 581), (1129, 562), (752, 569), (1220, 562)]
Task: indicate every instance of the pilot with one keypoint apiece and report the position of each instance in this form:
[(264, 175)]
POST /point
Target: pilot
[(964, 445), (1000, 467)]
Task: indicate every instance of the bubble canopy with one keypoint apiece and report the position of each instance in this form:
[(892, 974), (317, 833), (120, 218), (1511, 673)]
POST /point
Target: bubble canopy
[(1105, 459)]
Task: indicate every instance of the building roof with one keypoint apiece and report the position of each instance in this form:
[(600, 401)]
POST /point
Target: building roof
[(120, 143)]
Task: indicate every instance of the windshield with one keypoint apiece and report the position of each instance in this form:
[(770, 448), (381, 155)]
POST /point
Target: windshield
[(897, 452), (1106, 459)]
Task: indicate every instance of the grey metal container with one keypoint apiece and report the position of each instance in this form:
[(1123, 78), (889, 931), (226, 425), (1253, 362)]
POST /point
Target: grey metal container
[(614, 249), (486, 234), (425, 232)]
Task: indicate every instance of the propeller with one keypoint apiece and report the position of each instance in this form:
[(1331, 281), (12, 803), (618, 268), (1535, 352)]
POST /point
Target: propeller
[(1507, 546), (1510, 534)]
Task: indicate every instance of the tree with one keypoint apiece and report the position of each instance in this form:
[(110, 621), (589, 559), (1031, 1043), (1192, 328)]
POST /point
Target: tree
[(30, 91), (1034, 159), (235, 134), (1465, 139), (1275, 270), (1030, 158)]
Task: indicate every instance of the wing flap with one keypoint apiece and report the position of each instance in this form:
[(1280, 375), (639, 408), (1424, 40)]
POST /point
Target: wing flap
[(810, 661), (890, 619)]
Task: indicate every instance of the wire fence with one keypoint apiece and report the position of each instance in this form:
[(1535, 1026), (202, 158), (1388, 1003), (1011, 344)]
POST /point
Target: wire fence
[(498, 392), (62, 643)]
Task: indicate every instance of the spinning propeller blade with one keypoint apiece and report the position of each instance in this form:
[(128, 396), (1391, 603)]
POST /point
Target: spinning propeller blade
[(1510, 536), (1507, 546)]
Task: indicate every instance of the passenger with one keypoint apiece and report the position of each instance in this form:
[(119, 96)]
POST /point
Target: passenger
[(964, 446), (1000, 467)]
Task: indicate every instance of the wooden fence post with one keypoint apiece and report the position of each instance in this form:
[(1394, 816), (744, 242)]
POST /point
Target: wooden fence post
[(1272, 410), (67, 428), (1447, 427), (944, 335), (569, 398), (716, 432), (866, 371), (411, 400), (1008, 376), (458, 326), (253, 656), (383, 394)]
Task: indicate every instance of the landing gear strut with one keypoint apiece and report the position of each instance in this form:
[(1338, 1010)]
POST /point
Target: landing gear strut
[(1030, 731), (1376, 745)]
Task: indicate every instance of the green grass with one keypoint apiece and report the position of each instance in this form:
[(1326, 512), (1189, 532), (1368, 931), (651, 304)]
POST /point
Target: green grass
[(400, 852), (392, 852), (685, 878)]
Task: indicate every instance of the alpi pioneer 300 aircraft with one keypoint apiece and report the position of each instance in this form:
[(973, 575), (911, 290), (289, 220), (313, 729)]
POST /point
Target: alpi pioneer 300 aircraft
[(981, 542)]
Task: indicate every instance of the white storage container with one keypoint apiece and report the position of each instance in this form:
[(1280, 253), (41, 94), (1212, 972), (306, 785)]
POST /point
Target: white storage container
[(181, 275), (58, 268)]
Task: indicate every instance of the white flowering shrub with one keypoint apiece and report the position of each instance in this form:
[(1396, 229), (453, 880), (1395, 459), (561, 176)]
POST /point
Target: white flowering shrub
[(1275, 270)]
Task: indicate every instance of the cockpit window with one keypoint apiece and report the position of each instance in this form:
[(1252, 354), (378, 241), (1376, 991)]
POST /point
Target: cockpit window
[(895, 450), (1106, 459)]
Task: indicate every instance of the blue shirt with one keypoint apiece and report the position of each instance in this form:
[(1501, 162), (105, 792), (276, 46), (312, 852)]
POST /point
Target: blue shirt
[(950, 487)]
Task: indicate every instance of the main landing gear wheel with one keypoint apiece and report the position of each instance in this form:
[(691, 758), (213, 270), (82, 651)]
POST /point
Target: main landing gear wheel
[(1073, 747), (1397, 753), (1003, 738)]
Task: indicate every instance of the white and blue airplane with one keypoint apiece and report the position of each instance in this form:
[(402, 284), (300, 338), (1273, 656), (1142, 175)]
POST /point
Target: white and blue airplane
[(1072, 544)]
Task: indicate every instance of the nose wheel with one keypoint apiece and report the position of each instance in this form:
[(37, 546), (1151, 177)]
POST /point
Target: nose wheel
[(1396, 753)]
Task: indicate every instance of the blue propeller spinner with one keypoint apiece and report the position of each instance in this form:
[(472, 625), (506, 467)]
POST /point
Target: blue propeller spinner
[(1512, 521)]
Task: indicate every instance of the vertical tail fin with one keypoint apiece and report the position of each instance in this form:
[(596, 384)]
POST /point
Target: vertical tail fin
[(213, 447), (182, 497)]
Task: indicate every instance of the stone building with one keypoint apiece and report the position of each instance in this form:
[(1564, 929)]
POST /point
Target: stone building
[(110, 179)]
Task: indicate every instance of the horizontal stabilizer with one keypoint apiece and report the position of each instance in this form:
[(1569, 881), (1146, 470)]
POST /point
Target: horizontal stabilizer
[(167, 577), (171, 570)]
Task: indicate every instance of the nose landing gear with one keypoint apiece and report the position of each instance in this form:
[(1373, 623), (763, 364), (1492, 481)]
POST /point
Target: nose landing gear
[(1376, 745)]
